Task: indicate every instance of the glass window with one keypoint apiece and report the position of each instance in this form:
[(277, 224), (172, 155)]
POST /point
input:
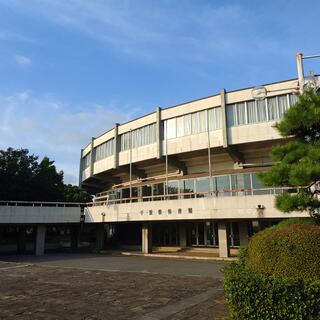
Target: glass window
[(223, 183), (187, 186), (187, 124), (173, 188), (202, 121), (86, 160), (195, 122), (170, 128), (283, 105), (146, 192), (241, 113), (135, 193), (293, 99), (240, 183), (104, 150), (139, 137), (231, 115), (157, 190), (252, 112), (202, 185), (261, 110), (125, 141), (272, 108), (214, 118), (180, 127), (256, 184), (125, 193)]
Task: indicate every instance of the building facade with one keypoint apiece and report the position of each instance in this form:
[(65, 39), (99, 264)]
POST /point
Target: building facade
[(186, 176)]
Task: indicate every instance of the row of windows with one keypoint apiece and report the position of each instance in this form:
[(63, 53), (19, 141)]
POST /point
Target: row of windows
[(242, 184), (242, 113), (138, 137), (104, 150), (259, 111), (193, 123), (86, 161)]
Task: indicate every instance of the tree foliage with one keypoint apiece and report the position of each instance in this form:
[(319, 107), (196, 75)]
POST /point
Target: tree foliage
[(297, 162), (23, 178), (75, 194)]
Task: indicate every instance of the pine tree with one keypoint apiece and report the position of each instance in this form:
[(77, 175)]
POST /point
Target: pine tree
[(297, 161)]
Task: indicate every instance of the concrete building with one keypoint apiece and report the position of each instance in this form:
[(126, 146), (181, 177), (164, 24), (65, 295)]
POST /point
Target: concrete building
[(186, 176)]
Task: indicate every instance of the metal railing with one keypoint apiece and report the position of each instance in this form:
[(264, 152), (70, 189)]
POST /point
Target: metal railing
[(40, 204), (193, 195)]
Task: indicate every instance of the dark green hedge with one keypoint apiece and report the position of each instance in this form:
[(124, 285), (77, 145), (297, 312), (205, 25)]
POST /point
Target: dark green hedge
[(251, 295), (291, 251)]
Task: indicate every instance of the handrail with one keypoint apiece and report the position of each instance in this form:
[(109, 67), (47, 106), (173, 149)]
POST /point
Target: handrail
[(40, 203), (212, 193)]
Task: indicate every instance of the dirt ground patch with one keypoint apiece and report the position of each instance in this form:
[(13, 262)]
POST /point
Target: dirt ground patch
[(30, 291)]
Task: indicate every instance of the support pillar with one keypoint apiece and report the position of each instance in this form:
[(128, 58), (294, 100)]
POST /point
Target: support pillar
[(243, 233), (147, 237), (183, 235), (74, 236), (223, 234), (100, 237), (22, 239), (40, 239)]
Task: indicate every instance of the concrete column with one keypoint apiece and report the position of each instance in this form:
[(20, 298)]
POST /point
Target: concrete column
[(223, 234), (243, 233), (99, 236), (147, 237), (22, 239), (116, 146), (158, 133), (224, 118), (183, 235), (40, 239), (74, 236)]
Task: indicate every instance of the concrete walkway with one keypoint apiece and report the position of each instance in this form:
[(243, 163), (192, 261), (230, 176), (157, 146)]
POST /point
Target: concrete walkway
[(118, 263), (180, 255)]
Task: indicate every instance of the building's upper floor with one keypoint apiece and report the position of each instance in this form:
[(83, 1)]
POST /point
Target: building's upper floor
[(224, 120)]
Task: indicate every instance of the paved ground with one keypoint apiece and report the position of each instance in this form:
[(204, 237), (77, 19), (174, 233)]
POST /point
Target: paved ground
[(125, 264), (90, 286)]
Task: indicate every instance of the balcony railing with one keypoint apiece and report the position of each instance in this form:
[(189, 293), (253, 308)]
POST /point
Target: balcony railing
[(40, 204), (193, 195)]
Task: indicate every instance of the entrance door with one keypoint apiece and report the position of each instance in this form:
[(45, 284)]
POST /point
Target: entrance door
[(234, 234), (204, 234), (211, 233)]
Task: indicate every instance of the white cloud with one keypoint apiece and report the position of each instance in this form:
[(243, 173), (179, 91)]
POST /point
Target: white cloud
[(23, 60), (6, 35), (47, 126), (149, 31)]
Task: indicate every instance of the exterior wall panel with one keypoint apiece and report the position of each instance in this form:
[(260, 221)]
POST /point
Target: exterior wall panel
[(236, 207)]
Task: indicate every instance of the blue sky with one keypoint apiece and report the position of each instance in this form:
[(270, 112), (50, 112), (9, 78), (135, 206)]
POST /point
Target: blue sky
[(70, 69)]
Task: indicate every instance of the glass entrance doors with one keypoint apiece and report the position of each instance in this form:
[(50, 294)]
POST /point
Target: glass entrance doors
[(203, 234)]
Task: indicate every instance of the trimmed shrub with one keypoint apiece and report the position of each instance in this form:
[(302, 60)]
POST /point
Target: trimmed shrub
[(252, 295), (287, 250), (277, 275)]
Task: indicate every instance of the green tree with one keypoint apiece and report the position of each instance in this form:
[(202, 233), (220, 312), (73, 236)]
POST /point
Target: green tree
[(47, 182), (297, 161), (75, 194), (17, 170), (23, 178)]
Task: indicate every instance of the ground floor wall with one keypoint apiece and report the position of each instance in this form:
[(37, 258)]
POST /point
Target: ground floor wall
[(180, 235), (148, 236)]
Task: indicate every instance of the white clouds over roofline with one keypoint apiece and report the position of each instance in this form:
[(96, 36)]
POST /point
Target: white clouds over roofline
[(49, 127)]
